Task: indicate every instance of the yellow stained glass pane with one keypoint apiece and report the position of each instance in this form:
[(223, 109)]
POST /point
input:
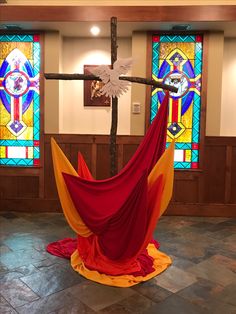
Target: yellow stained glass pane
[(6, 134), (28, 116), (30, 152), (5, 116), (7, 47), (187, 48), (2, 152), (188, 154), (27, 134), (186, 137), (187, 118)]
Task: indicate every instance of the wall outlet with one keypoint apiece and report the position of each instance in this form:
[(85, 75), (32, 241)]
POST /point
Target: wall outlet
[(136, 107)]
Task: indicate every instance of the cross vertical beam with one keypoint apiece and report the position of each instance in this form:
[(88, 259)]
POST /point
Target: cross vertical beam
[(114, 114)]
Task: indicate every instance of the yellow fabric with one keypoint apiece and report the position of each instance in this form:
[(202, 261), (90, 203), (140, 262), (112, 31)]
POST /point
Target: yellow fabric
[(62, 164), (165, 168), (160, 263), (160, 186)]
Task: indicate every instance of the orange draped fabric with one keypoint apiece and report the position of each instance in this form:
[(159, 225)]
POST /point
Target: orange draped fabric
[(115, 218)]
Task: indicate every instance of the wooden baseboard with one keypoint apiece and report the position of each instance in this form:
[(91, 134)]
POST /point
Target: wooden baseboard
[(205, 210), (30, 205), (174, 209)]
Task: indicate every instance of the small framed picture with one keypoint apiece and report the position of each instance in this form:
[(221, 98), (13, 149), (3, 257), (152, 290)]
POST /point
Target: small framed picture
[(92, 91)]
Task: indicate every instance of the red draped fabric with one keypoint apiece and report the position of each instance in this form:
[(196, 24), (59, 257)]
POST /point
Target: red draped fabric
[(63, 248), (120, 212), (116, 209), (83, 169)]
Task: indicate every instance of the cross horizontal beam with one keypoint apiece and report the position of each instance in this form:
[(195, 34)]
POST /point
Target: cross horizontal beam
[(89, 77)]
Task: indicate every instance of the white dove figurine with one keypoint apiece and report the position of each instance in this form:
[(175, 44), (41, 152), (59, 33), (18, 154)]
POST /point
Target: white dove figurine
[(113, 87)]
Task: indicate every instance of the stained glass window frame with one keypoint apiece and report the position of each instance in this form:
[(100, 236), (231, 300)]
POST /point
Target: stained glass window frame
[(197, 149), (33, 147)]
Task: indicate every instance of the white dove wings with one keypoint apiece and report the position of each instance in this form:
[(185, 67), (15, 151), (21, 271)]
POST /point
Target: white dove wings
[(113, 87)]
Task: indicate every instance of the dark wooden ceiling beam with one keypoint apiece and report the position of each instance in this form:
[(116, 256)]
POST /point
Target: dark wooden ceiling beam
[(123, 13)]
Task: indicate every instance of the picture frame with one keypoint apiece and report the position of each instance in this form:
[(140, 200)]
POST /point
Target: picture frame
[(92, 95)]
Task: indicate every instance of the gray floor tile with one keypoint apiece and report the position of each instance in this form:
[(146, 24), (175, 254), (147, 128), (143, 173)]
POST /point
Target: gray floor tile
[(52, 279), (5, 307), (55, 303), (175, 304), (213, 272), (137, 304), (98, 296), (151, 290), (16, 292), (200, 280), (175, 279)]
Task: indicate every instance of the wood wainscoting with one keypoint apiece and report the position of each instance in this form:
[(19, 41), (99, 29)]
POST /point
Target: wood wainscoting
[(210, 191)]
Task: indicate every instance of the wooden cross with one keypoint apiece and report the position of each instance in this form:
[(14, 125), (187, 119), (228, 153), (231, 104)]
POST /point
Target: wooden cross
[(113, 131)]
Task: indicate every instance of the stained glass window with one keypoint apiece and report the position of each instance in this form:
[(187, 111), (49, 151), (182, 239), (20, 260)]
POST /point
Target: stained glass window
[(19, 100), (177, 61)]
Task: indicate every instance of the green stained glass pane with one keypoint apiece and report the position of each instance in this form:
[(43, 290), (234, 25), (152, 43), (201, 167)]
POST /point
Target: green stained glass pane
[(195, 155), (16, 38), (182, 165), (183, 146)]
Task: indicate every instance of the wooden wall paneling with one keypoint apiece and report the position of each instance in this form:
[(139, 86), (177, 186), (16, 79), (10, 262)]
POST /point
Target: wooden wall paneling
[(173, 199), (201, 188), (203, 210), (214, 174), (129, 139), (129, 151), (233, 176), (228, 171), (186, 186), (70, 138), (103, 162), (28, 187), (120, 161), (19, 187), (30, 205), (41, 183), (8, 187), (94, 160), (19, 171), (66, 147), (50, 190), (123, 13), (186, 191)]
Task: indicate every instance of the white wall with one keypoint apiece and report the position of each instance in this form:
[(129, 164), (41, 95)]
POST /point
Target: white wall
[(139, 54), (228, 105), (214, 82), (74, 117), (52, 88)]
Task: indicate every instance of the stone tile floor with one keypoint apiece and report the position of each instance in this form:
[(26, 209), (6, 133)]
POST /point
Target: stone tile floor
[(202, 278)]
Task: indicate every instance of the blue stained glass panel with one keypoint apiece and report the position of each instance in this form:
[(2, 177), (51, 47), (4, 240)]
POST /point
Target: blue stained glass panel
[(177, 61), (20, 100)]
